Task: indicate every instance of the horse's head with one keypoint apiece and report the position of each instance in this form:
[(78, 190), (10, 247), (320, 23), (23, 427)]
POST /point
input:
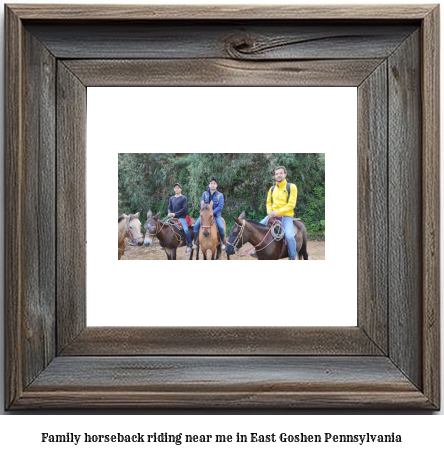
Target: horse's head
[(150, 228), (236, 239), (134, 227), (206, 218)]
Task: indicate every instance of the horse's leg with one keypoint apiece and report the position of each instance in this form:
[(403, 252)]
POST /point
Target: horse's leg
[(168, 253), (303, 251), (191, 254), (217, 249), (197, 252), (173, 254), (121, 247)]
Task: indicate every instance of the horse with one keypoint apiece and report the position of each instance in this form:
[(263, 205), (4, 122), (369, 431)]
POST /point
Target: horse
[(169, 235), (267, 248), (209, 238), (129, 224)]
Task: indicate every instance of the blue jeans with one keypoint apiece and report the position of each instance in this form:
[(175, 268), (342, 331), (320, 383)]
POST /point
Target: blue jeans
[(219, 222), (289, 233), (183, 222)]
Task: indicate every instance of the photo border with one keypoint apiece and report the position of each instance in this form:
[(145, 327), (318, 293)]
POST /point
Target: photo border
[(390, 360)]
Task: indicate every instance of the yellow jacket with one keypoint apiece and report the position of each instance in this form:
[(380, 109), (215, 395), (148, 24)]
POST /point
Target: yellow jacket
[(280, 199)]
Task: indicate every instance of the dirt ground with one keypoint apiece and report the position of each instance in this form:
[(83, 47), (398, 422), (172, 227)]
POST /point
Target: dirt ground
[(316, 251)]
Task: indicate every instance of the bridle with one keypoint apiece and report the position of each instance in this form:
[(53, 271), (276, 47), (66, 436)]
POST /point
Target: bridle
[(240, 235), (157, 231), (210, 225), (128, 229), (163, 226)]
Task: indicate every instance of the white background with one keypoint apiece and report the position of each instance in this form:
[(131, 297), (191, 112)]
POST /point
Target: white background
[(194, 119), (20, 433)]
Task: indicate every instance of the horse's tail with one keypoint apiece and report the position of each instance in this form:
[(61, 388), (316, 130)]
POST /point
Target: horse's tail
[(302, 254)]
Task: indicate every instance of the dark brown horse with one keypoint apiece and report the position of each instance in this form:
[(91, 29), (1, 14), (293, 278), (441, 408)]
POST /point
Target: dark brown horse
[(260, 237), (169, 235)]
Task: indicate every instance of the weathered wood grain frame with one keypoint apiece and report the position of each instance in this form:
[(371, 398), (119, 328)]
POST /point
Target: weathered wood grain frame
[(390, 360)]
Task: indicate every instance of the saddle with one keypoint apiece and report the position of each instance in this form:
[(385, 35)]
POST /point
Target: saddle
[(270, 222), (190, 222)]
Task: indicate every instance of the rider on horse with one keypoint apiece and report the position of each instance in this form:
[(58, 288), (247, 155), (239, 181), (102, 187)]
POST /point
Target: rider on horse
[(178, 208), (281, 201), (211, 194)]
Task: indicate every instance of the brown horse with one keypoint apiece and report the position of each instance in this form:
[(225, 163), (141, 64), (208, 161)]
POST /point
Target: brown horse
[(209, 238), (169, 235), (260, 237), (129, 224)]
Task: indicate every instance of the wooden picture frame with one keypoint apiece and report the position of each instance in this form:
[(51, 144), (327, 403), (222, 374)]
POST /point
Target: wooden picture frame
[(390, 360)]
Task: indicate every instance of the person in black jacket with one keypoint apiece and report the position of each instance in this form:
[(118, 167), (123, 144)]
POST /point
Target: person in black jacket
[(178, 208)]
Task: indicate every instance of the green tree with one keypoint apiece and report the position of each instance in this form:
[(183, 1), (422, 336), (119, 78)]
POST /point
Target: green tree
[(146, 182)]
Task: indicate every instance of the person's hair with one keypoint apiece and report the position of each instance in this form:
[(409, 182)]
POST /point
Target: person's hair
[(281, 167)]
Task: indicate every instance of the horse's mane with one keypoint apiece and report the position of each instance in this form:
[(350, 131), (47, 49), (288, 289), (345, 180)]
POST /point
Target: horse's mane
[(121, 217), (253, 222)]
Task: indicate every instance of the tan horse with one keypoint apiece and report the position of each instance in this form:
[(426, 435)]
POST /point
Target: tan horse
[(209, 238), (129, 224)]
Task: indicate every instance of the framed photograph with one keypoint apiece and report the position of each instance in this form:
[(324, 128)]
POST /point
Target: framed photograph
[(389, 359)]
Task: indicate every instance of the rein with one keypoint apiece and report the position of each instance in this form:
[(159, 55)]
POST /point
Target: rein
[(169, 222), (263, 239), (172, 223), (275, 237)]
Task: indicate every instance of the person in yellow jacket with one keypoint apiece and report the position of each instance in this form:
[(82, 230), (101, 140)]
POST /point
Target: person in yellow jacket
[(281, 201)]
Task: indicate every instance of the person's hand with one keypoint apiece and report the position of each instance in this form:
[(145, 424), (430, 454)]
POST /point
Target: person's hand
[(274, 214), (171, 214)]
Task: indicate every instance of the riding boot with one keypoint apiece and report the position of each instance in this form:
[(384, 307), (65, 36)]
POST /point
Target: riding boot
[(222, 241), (188, 249), (253, 254)]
